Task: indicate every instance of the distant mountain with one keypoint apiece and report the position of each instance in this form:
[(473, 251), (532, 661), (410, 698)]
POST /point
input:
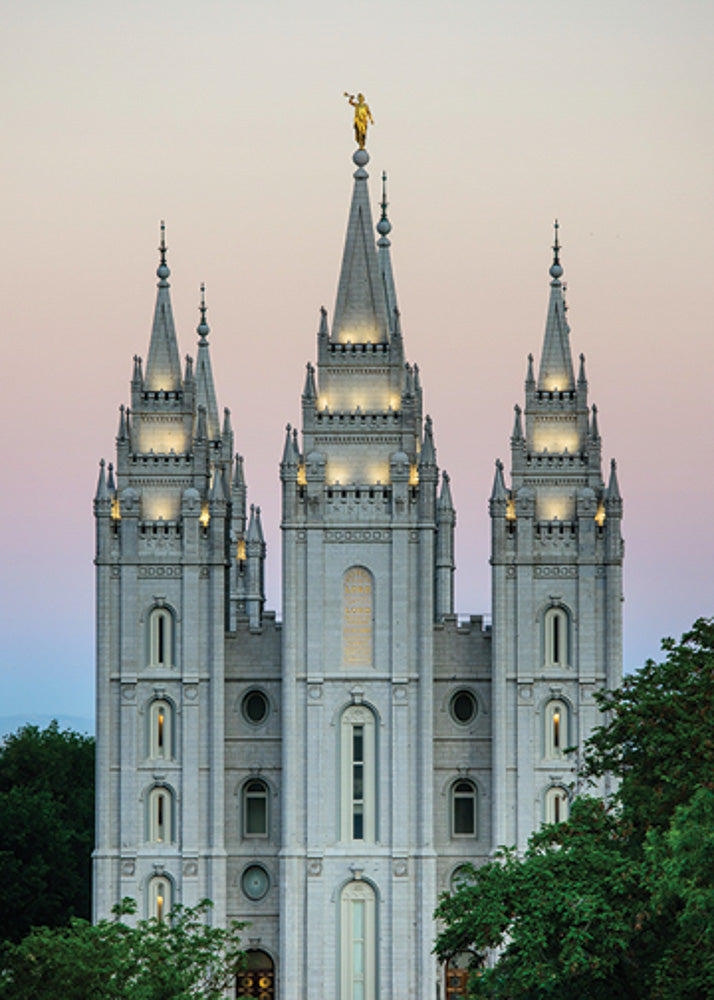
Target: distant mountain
[(80, 723)]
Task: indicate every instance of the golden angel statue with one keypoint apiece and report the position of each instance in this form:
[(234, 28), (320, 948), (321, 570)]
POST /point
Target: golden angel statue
[(363, 116)]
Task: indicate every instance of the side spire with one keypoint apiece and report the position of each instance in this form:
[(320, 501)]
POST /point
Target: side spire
[(556, 363), (360, 309), (384, 228), (205, 391), (163, 368)]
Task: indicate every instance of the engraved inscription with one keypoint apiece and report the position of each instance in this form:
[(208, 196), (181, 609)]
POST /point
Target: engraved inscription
[(357, 617)]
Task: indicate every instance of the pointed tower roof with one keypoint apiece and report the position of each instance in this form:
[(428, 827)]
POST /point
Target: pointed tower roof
[(445, 502), (163, 368), (384, 228), (427, 455), (498, 492), (205, 392), (556, 363), (102, 491), (360, 308), (613, 487)]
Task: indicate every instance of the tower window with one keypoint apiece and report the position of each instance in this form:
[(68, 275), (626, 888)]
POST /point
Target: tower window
[(357, 617), (556, 728), (463, 809), (556, 805), (358, 774), (160, 816), (255, 882), (161, 638), (161, 730), (256, 799), (160, 901), (556, 637), (358, 940)]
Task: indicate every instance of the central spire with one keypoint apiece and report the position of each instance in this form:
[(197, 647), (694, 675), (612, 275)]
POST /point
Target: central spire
[(556, 364), (361, 308), (163, 368)]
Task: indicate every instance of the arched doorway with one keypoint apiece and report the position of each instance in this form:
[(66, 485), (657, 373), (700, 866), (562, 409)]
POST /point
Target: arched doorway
[(457, 977), (257, 979)]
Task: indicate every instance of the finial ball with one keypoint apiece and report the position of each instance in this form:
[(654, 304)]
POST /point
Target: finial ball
[(555, 270), (162, 271), (360, 157), (384, 226)]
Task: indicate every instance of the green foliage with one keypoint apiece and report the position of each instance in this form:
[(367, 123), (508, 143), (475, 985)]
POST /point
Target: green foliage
[(619, 901), (46, 828), (177, 959)]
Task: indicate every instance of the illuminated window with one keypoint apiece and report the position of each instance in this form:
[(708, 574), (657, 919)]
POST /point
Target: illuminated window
[(463, 809), (256, 801), (556, 629), (161, 730), (556, 805), (159, 897), (556, 728), (160, 816), (358, 799), (358, 939), (161, 638)]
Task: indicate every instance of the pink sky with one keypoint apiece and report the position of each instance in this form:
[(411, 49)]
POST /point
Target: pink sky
[(226, 119)]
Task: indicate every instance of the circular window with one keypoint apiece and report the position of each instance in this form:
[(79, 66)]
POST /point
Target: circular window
[(255, 882), (463, 707), (255, 707), (461, 876)]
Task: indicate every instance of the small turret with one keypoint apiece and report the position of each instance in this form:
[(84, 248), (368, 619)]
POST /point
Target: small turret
[(255, 559), (384, 227), (427, 455), (309, 393), (205, 391), (227, 438), (517, 435), (498, 491), (594, 430)]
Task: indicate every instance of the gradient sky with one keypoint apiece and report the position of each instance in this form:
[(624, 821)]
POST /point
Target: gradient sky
[(226, 118)]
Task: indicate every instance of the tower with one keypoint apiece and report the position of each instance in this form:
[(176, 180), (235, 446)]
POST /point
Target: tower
[(359, 528), (165, 528), (557, 586)]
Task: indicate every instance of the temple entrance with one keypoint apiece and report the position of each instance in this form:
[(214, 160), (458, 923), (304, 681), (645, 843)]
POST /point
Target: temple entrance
[(457, 977), (258, 977)]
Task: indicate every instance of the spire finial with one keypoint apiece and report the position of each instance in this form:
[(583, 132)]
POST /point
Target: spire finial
[(555, 268), (162, 271), (384, 226), (203, 329)]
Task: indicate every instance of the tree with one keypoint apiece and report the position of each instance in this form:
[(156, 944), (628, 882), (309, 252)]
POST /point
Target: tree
[(46, 828), (618, 901), (181, 958)]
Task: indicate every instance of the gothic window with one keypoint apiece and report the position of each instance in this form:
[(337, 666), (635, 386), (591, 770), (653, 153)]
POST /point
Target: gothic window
[(161, 637), (160, 816), (159, 897), (358, 798), (556, 805), (357, 618), (556, 637), (556, 728), (464, 813), (161, 730), (256, 801), (357, 946)]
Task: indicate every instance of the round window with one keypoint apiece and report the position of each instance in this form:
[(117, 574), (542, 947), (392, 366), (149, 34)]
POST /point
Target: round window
[(255, 882), (463, 707), (255, 707), (462, 875)]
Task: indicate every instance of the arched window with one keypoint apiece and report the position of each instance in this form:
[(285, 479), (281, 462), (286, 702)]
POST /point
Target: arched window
[(556, 805), (556, 728), (556, 637), (160, 816), (161, 730), (357, 617), (358, 976), (160, 894), (257, 978), (256, 802), (358, 774), (464, 812), (161, 637)]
